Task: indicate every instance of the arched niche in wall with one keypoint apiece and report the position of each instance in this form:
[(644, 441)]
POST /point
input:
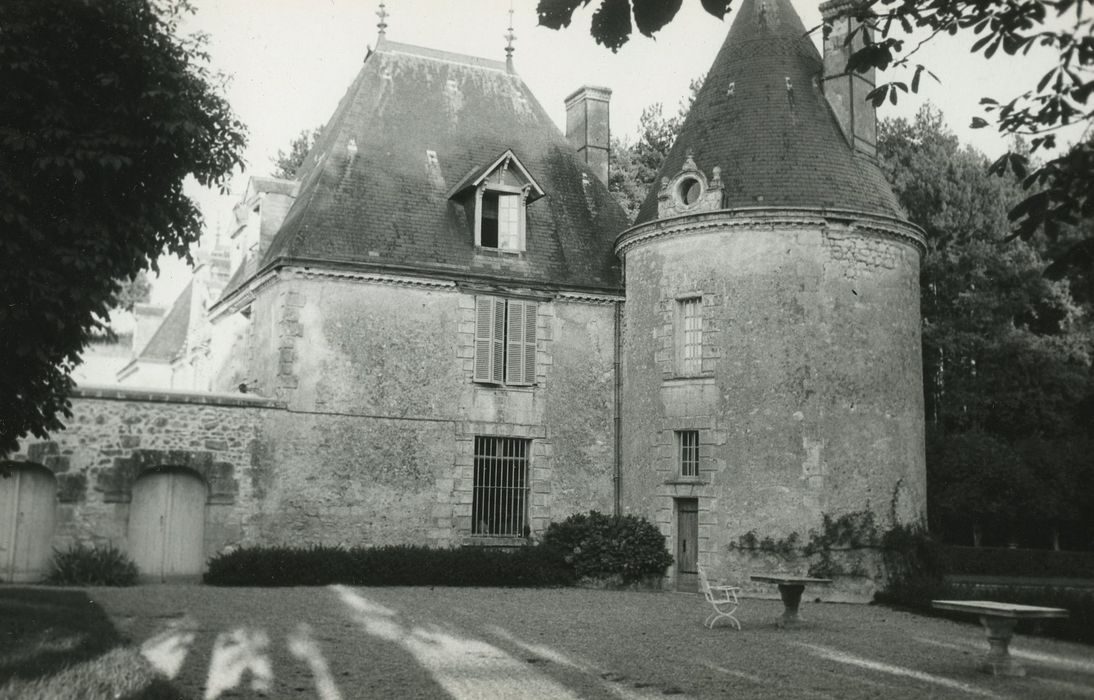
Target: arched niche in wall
[(116, 482), (28, 515), (167, 523)]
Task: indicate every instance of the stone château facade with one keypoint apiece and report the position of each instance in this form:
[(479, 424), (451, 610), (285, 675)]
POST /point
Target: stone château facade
[(427, 337)]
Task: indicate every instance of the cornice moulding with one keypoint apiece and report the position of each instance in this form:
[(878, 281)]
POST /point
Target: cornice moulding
[(769, 217)]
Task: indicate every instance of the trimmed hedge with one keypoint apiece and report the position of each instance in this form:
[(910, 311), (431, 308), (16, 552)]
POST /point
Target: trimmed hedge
[(396, 565), (91, 566), (602, 546), (999, 561)]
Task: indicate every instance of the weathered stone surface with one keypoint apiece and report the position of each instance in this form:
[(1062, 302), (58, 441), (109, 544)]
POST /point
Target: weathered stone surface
[(809, 399)]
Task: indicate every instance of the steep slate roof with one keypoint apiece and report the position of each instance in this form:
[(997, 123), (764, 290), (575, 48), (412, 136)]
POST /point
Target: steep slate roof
[(776, 146), (170, 337), (386, 207)]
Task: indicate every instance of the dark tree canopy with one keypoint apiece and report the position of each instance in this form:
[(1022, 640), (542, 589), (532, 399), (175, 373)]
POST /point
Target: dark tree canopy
[(1058, 189), (105, 111)]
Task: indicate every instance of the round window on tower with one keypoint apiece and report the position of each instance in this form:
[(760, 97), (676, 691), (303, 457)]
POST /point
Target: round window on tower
[(688, 191)]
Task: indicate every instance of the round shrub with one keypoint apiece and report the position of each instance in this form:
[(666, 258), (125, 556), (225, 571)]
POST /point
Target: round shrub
[(600, 546), (91, 566)]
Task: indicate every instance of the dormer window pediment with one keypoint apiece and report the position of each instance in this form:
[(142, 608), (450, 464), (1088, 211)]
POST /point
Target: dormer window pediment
[(497, 195)]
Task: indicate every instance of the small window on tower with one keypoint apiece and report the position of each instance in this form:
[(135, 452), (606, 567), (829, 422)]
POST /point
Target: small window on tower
[(687, 452), (689, 336)]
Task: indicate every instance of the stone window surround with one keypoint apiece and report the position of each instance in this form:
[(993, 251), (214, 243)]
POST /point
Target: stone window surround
[(668, 355), (668, 457), (465, 326), (507, 341), (462, 494)]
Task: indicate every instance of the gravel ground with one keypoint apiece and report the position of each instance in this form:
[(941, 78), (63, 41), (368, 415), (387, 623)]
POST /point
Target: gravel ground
[(341, 642)]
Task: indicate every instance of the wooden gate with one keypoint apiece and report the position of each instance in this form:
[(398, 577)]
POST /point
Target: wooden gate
[(28, 509), (167, 526), (687, 544)]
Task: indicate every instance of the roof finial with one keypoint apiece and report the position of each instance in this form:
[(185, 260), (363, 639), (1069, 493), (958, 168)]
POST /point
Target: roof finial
[(510, 36), (382, 14)]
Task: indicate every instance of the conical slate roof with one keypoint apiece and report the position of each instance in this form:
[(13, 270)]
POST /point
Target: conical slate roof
[(377, 190), (762, 117)]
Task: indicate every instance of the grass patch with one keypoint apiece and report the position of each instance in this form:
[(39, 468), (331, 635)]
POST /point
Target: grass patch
[(58, 643)]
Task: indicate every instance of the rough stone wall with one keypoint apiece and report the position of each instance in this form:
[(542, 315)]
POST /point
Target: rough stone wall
[(377, 444), (115, 435), (809, 400)]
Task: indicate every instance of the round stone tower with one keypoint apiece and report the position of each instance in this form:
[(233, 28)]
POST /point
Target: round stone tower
[(771, 358)]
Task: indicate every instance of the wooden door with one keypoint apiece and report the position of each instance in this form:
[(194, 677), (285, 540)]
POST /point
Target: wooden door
[(28, 510), (167, 526), (687, 544)]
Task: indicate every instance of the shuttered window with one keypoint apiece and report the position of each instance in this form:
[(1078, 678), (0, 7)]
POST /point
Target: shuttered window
[(505, 341)]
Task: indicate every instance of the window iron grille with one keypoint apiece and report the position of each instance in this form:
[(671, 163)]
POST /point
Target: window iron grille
[(499, 506)]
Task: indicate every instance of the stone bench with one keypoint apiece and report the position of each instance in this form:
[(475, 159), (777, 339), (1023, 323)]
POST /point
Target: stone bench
[(999, 620)]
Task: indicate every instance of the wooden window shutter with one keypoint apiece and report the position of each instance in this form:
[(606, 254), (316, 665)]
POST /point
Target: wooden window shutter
[(485, 324), (529, 342), (521, 343), (514, 360), (497, 343)]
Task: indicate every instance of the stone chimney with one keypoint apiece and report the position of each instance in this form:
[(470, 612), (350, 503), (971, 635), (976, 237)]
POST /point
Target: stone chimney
[(147, 319), (587, 127), (846, 91)]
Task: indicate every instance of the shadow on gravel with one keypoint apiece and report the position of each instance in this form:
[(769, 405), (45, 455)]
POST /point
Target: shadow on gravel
[(49, 631)]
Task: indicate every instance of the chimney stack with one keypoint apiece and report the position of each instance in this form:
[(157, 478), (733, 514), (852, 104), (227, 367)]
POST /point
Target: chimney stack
[(846, 91), (587, 127)]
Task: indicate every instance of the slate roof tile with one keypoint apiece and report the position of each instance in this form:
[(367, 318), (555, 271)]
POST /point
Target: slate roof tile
[(384, 206), (762, 117), (170, 338)]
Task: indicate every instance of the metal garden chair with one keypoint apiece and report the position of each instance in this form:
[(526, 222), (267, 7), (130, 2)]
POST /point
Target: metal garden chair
[(722, 598)]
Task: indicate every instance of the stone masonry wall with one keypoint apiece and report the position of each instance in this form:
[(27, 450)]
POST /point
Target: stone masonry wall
[(809, 398), (377, 442), (115, 435)]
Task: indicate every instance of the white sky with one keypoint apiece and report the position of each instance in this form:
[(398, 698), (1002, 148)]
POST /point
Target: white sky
[(290, 61)]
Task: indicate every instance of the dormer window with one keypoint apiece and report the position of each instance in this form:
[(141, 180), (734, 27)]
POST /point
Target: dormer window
[(502, 220), (496, 196)]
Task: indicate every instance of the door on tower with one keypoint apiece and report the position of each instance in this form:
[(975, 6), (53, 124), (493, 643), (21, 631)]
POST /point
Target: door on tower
[(167, 525), (28, 510), (687, 544)]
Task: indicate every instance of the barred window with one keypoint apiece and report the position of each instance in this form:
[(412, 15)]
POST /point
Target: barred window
[(687, 449), (689, 335), (499, 505)]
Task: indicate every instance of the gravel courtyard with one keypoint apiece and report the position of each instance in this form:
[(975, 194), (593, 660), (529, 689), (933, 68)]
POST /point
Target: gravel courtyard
[(341, 642)]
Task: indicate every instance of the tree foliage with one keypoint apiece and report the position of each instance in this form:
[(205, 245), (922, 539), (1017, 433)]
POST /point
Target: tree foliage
[(133, 291), (287, 163), (635, 166), (105, 111), (1058, 188), (1007, 352)]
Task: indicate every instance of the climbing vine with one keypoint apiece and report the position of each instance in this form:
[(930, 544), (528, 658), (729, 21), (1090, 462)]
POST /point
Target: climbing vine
[(900, 546)]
